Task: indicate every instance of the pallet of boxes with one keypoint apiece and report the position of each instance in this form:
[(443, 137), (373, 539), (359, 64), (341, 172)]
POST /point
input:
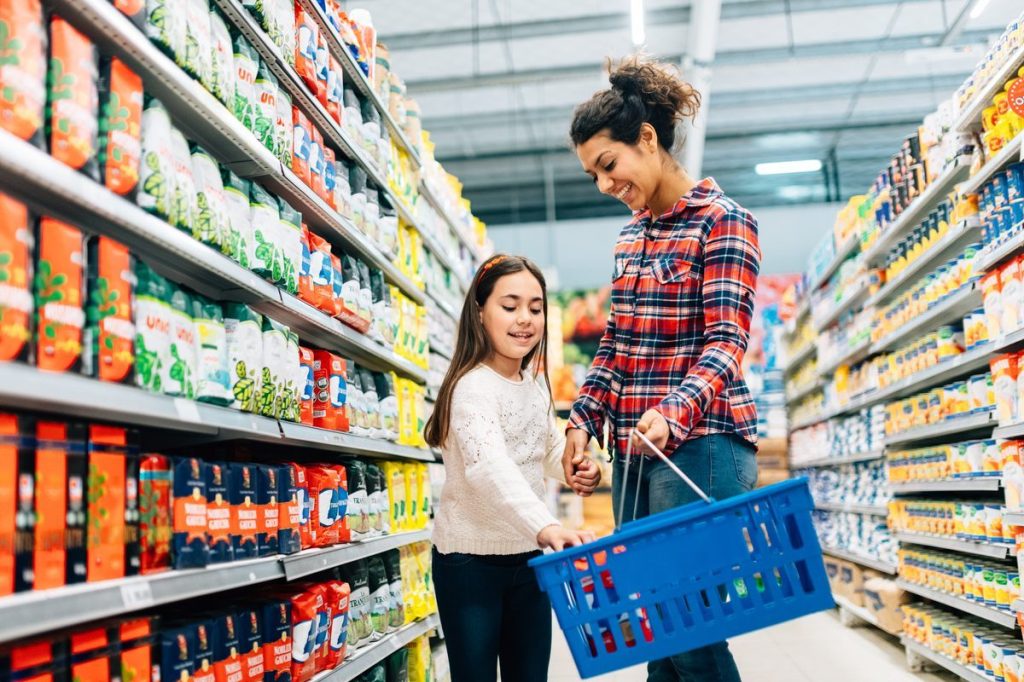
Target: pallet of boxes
[(865, 595), (772, 461)]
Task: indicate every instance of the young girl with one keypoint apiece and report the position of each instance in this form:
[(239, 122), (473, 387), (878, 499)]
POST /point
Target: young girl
[(495, 425)]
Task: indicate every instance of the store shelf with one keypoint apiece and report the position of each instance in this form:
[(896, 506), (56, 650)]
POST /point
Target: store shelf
[(867, 510), (313, 561), (1011, 153), (859, 611), (983, 549), (854, 297), (861, 560), (949, 427), (991, 255), (970, 116), (802, 356), (963, 672), (370, 655), (850, 357), (843, 252), (431, 197), (837, 461), (443, 306), (1004, 619), (982, 484), (55, 189), (1015, 518), (950, 245), (443, 351), (303, 435), (917, 211), (951, 310), (802, 311), (804, 391), (806, 422)]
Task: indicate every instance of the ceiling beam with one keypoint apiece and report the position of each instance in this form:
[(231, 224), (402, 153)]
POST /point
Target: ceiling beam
[(592, 23), (826, 125), (746, 56), (723, 100)]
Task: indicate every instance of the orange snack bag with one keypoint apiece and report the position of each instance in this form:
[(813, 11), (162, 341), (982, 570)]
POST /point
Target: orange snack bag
[(73, 103), (15, 279), (110, 335), (58, 291), (23, 71), (121, 128)]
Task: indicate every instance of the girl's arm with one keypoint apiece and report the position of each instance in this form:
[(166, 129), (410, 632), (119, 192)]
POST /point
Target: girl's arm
[(732, 260), (475, 426), (556, 446)]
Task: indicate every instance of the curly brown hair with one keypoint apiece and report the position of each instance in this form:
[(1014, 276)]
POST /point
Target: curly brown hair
[(643, 91)]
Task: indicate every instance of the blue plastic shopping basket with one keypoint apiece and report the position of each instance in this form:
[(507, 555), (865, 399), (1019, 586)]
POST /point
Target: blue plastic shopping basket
[(688, 577)]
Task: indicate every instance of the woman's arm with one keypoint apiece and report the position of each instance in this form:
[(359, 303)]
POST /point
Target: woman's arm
[(732, 260), (588, 410)]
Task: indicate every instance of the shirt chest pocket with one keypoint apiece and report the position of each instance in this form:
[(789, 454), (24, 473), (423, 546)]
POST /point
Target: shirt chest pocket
[(672, 284)]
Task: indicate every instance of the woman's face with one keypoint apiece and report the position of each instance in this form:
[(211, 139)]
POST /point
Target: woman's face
[(628, 172), (513, 315)]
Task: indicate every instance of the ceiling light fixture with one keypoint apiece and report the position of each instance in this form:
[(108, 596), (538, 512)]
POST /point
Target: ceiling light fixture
[(786, 167), (979, 8), (636, 13)]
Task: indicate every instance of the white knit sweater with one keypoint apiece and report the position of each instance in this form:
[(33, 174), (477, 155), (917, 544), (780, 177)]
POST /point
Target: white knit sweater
[(502, 441)]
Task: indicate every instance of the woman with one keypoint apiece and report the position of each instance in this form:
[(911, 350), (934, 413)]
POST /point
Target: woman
[(668, 364)]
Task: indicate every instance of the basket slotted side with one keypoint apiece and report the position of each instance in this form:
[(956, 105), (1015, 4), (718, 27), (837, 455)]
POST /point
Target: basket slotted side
[(688, 577)]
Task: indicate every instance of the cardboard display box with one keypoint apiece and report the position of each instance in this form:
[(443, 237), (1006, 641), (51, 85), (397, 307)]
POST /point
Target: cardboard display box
[(883, 598)]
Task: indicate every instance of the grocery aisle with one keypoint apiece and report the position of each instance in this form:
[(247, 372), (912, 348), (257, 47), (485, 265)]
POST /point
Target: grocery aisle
[(806, 650)]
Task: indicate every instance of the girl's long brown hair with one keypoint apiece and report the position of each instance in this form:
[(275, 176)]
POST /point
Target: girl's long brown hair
[(473, 346)]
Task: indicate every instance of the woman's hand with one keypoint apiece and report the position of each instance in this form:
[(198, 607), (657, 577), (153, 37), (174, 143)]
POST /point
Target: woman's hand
[(558, 538), (654, 426), (581, 472)]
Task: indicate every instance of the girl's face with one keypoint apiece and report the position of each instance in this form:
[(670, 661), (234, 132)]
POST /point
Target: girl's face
[(513, 315), (628, 172)]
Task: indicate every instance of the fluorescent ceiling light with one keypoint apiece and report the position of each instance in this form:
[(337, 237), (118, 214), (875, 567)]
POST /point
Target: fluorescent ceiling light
[(785, 167), (979, 8), (636, 13)]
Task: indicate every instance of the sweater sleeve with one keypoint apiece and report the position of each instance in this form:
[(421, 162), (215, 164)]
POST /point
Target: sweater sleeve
[(556, 446), (490, 472)]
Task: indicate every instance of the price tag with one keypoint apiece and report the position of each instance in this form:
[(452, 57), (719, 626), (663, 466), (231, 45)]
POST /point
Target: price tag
[(137, 595), (187, 410)]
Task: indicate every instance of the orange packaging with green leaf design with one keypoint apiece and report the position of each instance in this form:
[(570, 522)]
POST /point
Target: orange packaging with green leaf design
[(109, 339), (108, 453), (73, 105), (120, 145), (15, 279), (23, 69), (58, 291)]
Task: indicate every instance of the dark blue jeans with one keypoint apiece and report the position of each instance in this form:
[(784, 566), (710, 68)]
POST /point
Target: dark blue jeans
[(722, 466), (493, 612)]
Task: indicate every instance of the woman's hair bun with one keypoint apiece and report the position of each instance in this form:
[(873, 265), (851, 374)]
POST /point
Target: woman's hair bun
[(643, 91)]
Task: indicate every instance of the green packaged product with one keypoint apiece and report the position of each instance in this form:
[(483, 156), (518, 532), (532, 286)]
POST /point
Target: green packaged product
[(275, 368), (213, 382), (265, 117), (355, 412), (180, 374), (237, 241), (246, 66), (388, 402), (211, 219), (358, 511), (290, 245), (152, 310), (244, 330), (371, 401), (290, 386), (380, 597), (156, 174), (197, 59), (165, 26), (222, 63), (373, 480), (183, 205), (365, 293), (264, 216), (397, 665), (284, 129), (377, 673), (393, 566), (360, 628)]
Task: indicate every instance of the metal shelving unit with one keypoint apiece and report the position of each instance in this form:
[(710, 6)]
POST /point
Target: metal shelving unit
[(951, 244), (843, 252), (983, 549), (370, 655), (963, 672), (1011, 153), (803, 392), (970, 116), (861, 560), (850, 357), (804, 354), (837, 461), (854, 296), (914, 213), (867, 510), (858, 611), (987, 484), (1004, 619), (949, 427), (953, 308), (30, 613), (313, 561)]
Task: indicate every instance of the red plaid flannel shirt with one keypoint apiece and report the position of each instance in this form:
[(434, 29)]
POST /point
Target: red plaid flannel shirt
[(682, 299)]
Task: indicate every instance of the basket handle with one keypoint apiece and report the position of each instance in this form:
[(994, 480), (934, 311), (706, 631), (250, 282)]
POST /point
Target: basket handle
[(625, 475)]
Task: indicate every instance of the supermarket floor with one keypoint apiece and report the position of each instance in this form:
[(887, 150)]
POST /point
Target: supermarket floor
[(811, 649)]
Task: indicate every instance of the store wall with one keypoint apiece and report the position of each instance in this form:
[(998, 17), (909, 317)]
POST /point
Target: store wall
[(582, 249)]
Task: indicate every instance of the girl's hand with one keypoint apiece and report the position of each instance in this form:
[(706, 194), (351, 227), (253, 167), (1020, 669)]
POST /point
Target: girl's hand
[(654, 426), (587, 477), (558, 538), (574, 454)]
